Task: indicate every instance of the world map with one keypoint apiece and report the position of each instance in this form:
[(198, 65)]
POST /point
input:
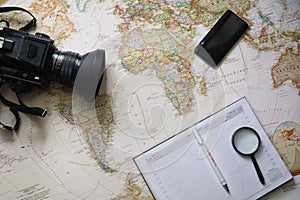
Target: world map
[(153, 87)]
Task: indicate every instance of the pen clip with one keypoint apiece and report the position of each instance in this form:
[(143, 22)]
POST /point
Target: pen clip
[(198, 137)]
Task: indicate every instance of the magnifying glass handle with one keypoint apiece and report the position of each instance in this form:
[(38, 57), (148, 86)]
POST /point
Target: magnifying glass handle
[(260, 176)]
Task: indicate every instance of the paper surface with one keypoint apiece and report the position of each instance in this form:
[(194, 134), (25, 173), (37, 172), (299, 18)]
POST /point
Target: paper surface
[(177, 169)]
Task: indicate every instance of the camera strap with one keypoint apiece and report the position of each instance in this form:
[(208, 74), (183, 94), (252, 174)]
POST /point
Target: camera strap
[(21, 107), (30, 24)]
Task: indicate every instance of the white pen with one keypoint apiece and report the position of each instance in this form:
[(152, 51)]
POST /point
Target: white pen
[(211, 160)]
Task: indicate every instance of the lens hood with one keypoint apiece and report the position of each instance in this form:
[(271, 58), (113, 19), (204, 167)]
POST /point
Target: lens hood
[(89, 77)]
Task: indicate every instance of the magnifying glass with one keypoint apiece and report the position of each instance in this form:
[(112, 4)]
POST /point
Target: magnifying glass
[(246, 141)]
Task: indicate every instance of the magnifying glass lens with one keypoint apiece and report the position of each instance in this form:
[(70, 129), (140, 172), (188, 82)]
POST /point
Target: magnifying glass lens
[(246, 141)]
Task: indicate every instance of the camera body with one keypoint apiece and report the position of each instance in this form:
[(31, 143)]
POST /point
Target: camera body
[(26, 57)]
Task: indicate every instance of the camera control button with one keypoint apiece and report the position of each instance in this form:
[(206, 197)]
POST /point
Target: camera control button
[(42, 35)]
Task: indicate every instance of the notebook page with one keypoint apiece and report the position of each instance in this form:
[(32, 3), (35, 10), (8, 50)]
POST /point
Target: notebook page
[(178, 169)]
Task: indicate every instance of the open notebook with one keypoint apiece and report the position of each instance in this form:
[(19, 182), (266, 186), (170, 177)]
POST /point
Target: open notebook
[(179, 169)]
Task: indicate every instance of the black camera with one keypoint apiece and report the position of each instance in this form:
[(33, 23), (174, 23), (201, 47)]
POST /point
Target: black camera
[(27, 60)]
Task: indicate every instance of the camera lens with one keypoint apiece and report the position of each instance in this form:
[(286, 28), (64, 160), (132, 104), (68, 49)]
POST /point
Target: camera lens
[(65, 66), (84, 73), (90, 74)]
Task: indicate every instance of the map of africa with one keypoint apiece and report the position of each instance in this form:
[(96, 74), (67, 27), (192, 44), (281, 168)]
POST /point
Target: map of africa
[(153, 87)]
